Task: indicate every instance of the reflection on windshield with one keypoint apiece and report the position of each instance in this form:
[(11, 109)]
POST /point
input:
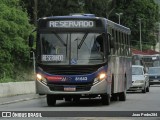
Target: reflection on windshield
[(83, 39), (154, 71), (137, 71), (72, 48)]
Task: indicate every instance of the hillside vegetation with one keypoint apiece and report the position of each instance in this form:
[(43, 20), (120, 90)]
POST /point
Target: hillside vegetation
[(14, 31), (18, 18)]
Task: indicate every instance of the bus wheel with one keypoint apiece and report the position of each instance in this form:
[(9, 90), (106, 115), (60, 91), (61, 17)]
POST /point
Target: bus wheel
[(114, 97), (51, 100), (76, 99), (122, 96), (105, 98), (68, 99), (147, 89)]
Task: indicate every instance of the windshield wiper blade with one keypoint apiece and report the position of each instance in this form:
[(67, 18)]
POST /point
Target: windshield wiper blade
[(60, 39), (84, 37)]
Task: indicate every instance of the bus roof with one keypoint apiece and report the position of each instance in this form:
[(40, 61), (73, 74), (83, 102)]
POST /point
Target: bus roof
[(71, 17), (90, 16), (118, 26)]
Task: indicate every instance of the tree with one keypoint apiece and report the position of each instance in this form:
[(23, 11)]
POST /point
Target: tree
[(47, 8), (102, 8), (14, 32), (133, 10)]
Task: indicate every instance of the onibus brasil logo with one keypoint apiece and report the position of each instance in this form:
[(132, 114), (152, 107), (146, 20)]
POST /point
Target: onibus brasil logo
[(21, 114)]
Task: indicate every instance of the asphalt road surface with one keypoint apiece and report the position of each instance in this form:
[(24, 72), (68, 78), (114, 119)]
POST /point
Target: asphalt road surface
[(136, 101)]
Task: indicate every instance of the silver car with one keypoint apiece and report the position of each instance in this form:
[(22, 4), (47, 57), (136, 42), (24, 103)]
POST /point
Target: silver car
[(140, 79)]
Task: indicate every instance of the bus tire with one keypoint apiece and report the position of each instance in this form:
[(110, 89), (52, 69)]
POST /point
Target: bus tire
[(76, 99), (114, 97), (51, 100), (147, 89), (105, 99), (122, 96), (68, 99)]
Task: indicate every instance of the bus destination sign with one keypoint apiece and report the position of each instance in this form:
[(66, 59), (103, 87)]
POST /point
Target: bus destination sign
[(71, 24)]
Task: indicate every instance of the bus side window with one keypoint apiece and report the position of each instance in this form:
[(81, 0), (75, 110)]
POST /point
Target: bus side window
[(119, 43), (99, 43), (116, 44), (126, 44), (112, 42)]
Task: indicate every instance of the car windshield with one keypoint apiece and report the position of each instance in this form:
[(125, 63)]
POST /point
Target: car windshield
[(154, 70), (72, 48), (137, 71)]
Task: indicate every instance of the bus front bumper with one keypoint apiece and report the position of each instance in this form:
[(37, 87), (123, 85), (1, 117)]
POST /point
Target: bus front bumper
[(99, 88)]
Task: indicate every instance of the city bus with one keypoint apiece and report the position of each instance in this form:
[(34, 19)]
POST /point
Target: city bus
[(137, 59), (146, 60), (151, 60), (81, 56)]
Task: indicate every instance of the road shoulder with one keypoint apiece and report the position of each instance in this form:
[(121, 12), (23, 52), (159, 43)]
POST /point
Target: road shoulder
[(18, 98)]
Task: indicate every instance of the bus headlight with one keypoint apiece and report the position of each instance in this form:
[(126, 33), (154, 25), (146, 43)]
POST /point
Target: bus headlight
[(41, 78), (101, 77)]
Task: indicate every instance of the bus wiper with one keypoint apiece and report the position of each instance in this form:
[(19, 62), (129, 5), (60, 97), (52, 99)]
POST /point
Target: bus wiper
[(84, 37), (60, 39)]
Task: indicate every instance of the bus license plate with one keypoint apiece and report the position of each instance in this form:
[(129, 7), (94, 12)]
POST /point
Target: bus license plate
[(69, 88)]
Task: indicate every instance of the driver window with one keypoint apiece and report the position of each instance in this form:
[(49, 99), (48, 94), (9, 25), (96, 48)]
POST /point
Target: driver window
[(98, 44)]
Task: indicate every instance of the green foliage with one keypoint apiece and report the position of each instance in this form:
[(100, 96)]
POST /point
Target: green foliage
[(133, 10), (15, 28), (14, 32), (53, 7), (101, 8)]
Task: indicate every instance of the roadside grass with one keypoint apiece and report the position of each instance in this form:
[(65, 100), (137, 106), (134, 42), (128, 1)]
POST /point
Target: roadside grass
[(19, 77), (5, 80)]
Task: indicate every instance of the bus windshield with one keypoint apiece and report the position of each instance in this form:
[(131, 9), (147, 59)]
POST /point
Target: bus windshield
[(72, 48)]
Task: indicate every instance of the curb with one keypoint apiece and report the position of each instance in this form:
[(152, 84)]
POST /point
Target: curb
[(17, 88), (20, 100)]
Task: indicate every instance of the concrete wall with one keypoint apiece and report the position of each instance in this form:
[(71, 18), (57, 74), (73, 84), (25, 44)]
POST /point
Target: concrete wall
[(16, 88)]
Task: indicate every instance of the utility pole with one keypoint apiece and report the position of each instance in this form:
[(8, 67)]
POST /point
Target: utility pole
[(159, 36), (140, 36)]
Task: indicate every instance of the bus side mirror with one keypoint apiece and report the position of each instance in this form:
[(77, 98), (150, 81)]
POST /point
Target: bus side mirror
[(31, 40), (31, 54)]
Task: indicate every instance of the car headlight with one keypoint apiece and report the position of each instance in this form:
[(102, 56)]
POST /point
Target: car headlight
[(139, 81), (100, 77), (41, 78)]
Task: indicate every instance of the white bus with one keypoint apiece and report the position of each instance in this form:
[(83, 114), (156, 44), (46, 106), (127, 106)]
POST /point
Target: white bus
[(82, 56)]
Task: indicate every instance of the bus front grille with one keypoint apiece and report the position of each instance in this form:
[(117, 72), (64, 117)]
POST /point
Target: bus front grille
[(77, 87), (70, 70)]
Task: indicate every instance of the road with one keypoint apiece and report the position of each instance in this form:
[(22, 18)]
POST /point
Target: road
[(135, 102)]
